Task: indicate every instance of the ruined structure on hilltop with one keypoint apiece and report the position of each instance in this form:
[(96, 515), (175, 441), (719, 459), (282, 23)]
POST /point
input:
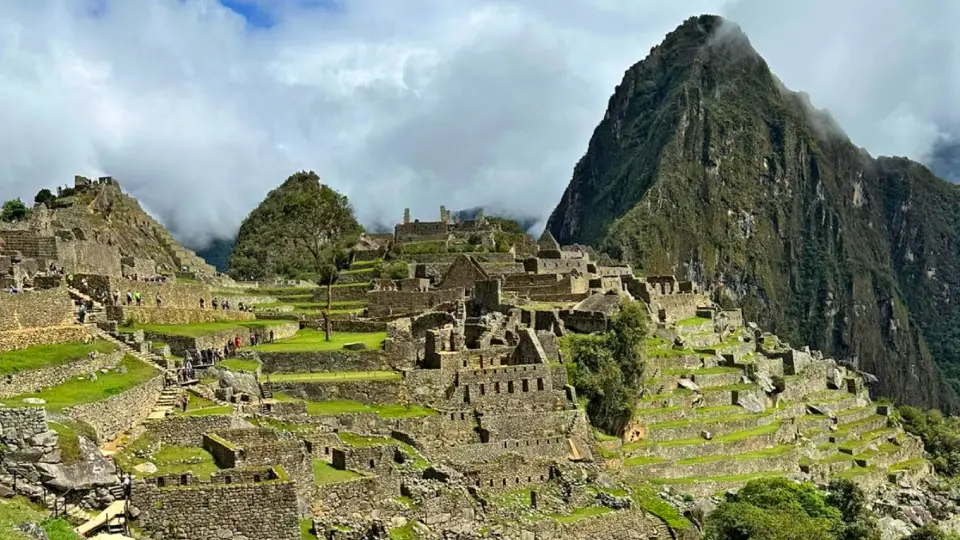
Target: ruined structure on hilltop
[(93, 228)]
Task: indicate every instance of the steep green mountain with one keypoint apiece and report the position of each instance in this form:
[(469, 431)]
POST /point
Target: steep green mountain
[(218, 253), (266, 245), (706, 167)]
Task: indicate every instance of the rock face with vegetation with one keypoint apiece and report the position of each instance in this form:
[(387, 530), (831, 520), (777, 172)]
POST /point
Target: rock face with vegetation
[(706, 167)]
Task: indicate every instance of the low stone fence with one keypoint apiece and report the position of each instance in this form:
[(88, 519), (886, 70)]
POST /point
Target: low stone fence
[(155, 315), (369, 392), (707, 448), (112, 416), (189, 430), (32, 381), (11, 340), (342, 293), (786, 462), (180, 344), (346, 325), (323, 361)]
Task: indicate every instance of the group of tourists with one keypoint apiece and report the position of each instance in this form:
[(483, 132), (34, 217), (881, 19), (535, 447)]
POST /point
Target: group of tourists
[(186, 372)]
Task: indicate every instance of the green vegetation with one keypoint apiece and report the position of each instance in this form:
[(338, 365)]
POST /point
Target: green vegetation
[(240, 364), (580, 513), (18, 510), (68, 440), (931, 532), (406, 532), (42, 356), (324, 473), (758, 454), (646, 497), (693, 321), (200, 329), (308, 340), (169, 459), (940, 435), (336, 376), (607, 372), (778, 509), (306, 530), (324, 408), (81, 391), (14, 210), (294, 232)]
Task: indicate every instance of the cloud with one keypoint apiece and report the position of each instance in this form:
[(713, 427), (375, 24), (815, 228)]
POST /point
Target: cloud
[(199, 108)]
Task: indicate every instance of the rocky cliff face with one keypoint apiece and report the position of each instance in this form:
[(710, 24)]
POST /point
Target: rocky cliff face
[(706, 167)]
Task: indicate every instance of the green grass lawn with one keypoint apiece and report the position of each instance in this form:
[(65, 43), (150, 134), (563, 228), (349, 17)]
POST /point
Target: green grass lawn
[(581, 513), (693, 321), (335, 376), (18, 510), (314, 340), (42, 356), (646, 498), (200, 329), (327, 408), (306, 530), (725, 478), (239, 364), (169, 459), (324, 473), (80, 391), (361, 441), (69, 438)]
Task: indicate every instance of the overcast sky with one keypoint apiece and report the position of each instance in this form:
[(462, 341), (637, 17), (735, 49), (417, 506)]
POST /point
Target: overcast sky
[(199, 107)]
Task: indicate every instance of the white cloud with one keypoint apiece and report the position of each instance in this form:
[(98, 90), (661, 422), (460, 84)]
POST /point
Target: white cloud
[(416, 103)]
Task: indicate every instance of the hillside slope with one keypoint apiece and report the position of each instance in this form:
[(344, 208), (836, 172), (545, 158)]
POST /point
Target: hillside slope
[(705, 166)]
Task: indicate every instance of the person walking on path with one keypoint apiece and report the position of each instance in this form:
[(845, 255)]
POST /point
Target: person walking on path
[(159, 300), (82, 312), (137, 296)]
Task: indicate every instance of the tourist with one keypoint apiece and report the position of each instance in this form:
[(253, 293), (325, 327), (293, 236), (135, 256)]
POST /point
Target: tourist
[(216, 303), (240, 307), (82, 312), (125, 483), (138, 298), (129, 297), (116, 297), (236, 342), (271, 336), (201, 303)]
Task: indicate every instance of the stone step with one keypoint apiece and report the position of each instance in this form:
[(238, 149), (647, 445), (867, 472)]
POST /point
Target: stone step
[(864, 425), (857, 446), (855, 414)]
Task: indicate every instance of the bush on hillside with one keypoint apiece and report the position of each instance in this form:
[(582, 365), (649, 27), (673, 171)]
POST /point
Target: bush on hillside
[(607, 369), (14, 210), (940, 435), (779, 509)]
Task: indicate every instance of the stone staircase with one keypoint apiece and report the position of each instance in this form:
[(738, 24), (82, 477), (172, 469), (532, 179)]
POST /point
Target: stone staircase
[(165, 403), (96, 314)]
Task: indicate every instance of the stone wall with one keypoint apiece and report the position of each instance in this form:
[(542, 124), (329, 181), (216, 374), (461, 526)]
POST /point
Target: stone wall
[(22, 422), (150, 314), (189, 430), (11, 340), (218, 511), (32, 381), (112, 416), (342, 293), (31, 309), (174, 295), (323, 361), (556, 266), (677, 307), (370, 392), (385, 303), (29, 244), (359, 495), (584, 322), (83, 256)]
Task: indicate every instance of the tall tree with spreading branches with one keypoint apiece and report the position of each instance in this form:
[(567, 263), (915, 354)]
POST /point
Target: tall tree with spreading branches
[(321, 222)]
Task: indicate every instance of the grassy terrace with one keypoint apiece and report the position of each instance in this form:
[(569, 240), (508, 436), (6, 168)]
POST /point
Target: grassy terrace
[(693, 321), (726, 478), (699, 411), (759, 454), (580, 513), (326, 408), (169, 459), (239, 364), (81, 391), (730, 437), (308, 340), (646, 497), (200, 329), (719, 370), (685, 422), (201, 406), (324, 473), (43, 356)]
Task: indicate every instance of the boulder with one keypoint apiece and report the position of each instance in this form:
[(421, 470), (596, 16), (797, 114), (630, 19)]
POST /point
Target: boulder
[(146, 468), (751, 403), (34, 401), (355, 346), (688, 384), (90, 471), (766, 383)]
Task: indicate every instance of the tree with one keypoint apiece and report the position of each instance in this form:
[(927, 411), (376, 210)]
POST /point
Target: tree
[(14, 210), (45, 197), (320, 221)]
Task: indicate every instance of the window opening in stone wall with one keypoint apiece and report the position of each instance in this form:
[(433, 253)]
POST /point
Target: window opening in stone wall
[(509, 387), (372, 464), (463, 416), (540, 384), (524, 385), (184, 479), (256, 478), (496, 387), (161, 481), (483, 389), (326, 450)]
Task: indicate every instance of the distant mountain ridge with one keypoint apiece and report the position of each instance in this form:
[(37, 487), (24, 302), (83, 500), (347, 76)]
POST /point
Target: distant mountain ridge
[(706, 167)]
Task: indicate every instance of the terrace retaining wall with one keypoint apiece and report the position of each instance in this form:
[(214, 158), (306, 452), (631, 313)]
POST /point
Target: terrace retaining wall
[(116, 414)]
